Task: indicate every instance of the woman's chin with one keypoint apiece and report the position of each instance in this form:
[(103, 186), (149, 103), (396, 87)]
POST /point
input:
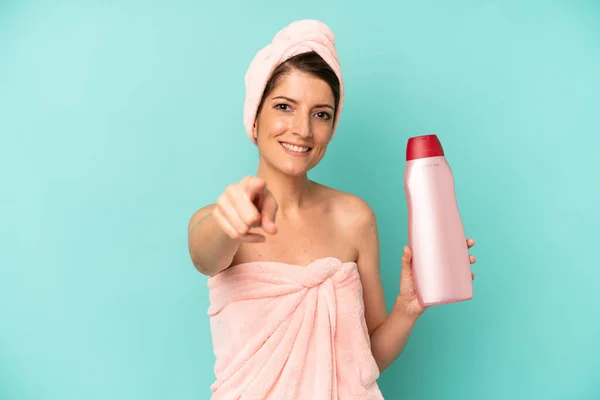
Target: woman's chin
[(295, 168), (295, 172)]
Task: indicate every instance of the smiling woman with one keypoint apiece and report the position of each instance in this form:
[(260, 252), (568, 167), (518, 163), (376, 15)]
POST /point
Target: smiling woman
[(293, 263), (296, 114)]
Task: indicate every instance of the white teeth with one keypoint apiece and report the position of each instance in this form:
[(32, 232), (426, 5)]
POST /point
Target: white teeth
[(297, 149)]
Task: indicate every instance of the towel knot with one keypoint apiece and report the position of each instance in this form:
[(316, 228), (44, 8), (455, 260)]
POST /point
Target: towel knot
[(321, 271)]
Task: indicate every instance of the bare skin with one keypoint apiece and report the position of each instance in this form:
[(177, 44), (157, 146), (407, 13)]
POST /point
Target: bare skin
[(281, 215)]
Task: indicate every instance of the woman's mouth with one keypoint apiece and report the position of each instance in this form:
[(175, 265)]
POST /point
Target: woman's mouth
[(295, 149)]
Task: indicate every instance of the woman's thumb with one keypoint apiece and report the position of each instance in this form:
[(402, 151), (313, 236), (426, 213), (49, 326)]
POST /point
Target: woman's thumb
[(406, 263)]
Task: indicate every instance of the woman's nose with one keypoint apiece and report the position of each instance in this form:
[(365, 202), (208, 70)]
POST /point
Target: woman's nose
[(302, 126)]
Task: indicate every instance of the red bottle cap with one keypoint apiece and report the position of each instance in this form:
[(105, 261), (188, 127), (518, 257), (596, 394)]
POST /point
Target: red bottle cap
[(423, 146)]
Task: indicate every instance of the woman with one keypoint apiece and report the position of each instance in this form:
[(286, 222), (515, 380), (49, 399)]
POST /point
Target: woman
[(297, 304)]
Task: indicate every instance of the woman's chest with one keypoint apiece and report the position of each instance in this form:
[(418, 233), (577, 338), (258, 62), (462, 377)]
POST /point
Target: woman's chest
[(301, 242)]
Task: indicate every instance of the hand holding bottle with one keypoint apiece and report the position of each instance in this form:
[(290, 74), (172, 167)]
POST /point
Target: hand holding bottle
[(407, 301)]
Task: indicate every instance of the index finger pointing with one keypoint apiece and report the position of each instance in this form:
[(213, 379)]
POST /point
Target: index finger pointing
[(252, 186)]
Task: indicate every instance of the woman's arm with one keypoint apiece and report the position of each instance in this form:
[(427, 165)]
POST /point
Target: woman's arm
[(216, 231), (211, 249), (390, 338), (389, 333)]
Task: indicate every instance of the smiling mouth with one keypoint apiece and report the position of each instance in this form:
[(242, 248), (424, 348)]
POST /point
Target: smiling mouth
[(295, 148)]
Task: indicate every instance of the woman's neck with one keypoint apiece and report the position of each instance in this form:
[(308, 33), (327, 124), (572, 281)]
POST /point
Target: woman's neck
[(291, 192)]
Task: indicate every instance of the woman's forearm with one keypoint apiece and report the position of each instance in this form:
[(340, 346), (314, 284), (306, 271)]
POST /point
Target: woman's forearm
[(210, 248), (390, 338)]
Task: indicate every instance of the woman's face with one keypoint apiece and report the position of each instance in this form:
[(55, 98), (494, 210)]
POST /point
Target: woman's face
[(295, 124)]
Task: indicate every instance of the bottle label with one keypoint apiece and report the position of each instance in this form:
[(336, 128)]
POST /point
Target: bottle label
[(430, 165)]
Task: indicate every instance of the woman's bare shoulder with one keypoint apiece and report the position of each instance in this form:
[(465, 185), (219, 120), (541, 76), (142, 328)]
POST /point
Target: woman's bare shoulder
[(351, 210)]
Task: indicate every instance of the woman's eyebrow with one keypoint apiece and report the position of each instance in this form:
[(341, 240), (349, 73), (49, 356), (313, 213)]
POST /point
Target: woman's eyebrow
[(295, 102)]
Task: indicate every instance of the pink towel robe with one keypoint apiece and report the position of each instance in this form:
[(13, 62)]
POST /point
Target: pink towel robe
[(284, 331)]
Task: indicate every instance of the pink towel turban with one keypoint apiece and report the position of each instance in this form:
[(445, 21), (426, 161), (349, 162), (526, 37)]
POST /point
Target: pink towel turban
[(298, 37)]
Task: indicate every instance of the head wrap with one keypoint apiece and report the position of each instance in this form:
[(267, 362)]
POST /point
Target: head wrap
[(298, 37)]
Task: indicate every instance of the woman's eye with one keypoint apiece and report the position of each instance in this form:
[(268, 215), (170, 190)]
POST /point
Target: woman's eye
[(323, 115), (282, 107)]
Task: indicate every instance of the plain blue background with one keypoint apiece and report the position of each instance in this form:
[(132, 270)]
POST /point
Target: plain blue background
[(119, 119)]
